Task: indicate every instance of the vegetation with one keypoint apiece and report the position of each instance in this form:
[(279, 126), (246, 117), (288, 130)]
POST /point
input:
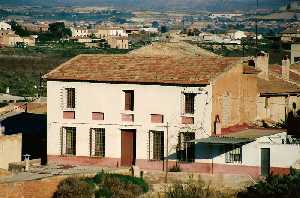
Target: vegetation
[(74, 187), (175, 168), (20, 69), (56, 32), (19, 30), (103, 185), (194, 189), (275, 186)]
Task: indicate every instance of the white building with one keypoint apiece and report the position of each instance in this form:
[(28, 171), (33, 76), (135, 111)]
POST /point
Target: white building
[(80, 32), (5, 26), (125, 109)]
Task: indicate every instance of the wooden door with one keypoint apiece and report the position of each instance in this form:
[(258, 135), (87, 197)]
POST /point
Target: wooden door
[(128, 149), (265, 162)]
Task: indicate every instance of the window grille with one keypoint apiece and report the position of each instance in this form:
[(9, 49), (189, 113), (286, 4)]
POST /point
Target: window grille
[(97, 142), (157, 144), (233, 155), (189, 103), (70, 97)]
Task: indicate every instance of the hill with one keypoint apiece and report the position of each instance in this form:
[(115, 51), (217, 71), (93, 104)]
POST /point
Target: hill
[(211, 5)]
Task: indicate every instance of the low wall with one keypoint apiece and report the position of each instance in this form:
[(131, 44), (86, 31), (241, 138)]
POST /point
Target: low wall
[(207, 168)]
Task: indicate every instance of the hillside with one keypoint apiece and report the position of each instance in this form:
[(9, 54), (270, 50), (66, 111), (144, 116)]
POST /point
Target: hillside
[(211, 5)]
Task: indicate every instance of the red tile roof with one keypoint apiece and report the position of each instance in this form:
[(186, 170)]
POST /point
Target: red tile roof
[(142, 69)]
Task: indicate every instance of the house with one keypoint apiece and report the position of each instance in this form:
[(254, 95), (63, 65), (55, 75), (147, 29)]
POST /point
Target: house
[(5, 26), (118, 42), (236, 34), (80, 32), (291, 34), (104, 32), (152, 108), (8, 38), (295, 53)]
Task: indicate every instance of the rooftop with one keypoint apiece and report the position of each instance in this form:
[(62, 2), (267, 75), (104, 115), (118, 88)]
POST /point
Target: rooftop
[(188, 70)]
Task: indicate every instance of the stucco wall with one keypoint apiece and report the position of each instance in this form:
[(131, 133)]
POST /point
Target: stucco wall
[(241, 91), (276, 108), (281, 155), (10, 149), (109, 98), (295, 52)]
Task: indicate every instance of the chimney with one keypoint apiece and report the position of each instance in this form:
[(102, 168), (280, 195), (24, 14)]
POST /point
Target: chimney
[(286, 68), (262, 64)]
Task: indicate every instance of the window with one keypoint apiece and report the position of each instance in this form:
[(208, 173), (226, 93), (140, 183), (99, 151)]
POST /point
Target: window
[(189, 102), (97, 116), (266, 102), (186, 150), (70, 97), (157, 118), (233, 155), (157, 144), (68, 141), (97, 142), (129, 100)]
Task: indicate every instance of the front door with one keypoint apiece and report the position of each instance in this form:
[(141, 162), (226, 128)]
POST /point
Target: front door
[(265, 162), (128, 148)]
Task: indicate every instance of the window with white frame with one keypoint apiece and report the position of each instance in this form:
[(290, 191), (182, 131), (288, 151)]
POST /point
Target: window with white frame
[(233, 154), (68, 141), (156, 145), (97, 142), (189, 104)]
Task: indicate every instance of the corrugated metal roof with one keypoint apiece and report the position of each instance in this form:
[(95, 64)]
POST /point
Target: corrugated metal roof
[(222, 140)]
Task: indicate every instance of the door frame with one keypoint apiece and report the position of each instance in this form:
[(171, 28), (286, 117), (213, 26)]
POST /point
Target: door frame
[(133, 151)]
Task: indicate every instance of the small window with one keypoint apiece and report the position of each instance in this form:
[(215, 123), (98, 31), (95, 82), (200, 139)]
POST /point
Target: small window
[(69, 114), (158, 145), (233, 155), (70, 97), (129, 100), (266, 102), (157, 118), (97, 142), (189, 103), (97, 116)]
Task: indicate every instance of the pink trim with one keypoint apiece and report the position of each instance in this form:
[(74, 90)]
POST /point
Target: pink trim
[(157, 118), (187, 120), (127, 117), (97, 116), (253, 171), (69, 114)]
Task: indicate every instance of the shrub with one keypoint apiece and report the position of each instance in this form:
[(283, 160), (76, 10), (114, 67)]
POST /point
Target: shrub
[(116, 185), (74, 187), (275, 186), (193, 189), (175, 168)]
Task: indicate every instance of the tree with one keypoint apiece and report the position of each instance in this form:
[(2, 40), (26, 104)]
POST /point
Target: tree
[(155, 24), (163, 29), (19, 30), (59, 31)]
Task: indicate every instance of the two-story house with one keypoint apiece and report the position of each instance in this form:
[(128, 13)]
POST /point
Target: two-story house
[(121, 110)]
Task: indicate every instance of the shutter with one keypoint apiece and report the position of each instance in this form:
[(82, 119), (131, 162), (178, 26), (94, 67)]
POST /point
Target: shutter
[(63, 141), (150, 145), (182, 103), (128, 100), (62, 95), (93, 134)]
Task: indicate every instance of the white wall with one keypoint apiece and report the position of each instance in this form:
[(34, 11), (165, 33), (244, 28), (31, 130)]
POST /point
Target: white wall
[(109, 98), (281, 155), (10, 149)]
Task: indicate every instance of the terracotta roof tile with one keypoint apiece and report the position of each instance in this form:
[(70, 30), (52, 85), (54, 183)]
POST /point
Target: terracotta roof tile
[(276, 86), (142, 69)]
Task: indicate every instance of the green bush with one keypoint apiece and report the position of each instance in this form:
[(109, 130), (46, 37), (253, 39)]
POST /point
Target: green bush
[(275, 186), (74, 187), (116, 185)]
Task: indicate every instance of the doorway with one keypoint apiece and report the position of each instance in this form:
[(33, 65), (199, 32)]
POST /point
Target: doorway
[(265, 162), (128, 147)]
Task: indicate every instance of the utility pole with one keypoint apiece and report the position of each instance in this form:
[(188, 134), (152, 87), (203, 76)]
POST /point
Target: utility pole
[(167, 153), (256, 28)]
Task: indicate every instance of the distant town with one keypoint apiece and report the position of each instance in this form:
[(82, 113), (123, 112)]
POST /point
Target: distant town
[(100, 101)]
